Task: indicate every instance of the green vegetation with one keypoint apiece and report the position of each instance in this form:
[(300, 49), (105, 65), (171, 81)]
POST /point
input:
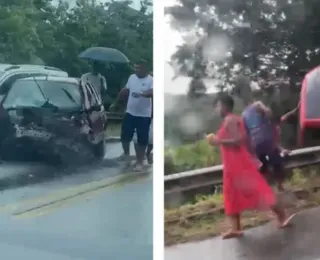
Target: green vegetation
[(240, 47), (198, 154), (190, 156), (204, 218), (53, 33)]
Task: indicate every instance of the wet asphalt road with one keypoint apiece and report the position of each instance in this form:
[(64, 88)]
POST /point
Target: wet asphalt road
[(97, 212), (263, 243)]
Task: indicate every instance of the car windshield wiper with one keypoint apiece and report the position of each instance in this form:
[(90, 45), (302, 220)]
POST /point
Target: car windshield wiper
[(48, 104), (45, 98), (69, 96)]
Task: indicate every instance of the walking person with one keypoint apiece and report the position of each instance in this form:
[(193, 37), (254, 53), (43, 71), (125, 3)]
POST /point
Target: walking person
[(279, 176), (244, 188), (97, 80), (138, 113), (258, 121)]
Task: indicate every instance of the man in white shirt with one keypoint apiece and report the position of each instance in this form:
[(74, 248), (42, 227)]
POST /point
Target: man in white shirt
[(96, 79), (138, 114)]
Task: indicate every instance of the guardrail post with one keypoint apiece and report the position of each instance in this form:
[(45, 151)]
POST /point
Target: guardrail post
[(174, 200)]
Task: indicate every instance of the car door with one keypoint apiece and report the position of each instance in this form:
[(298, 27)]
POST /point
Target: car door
[(4, 89), (95, 113)]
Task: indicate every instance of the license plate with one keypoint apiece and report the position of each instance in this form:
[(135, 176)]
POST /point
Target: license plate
[(32, 133)]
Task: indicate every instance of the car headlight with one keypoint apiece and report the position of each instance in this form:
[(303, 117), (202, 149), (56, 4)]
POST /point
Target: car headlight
[(15, 117)]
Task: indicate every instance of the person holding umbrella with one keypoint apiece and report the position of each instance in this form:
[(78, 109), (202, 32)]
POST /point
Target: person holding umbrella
[(139, 91), (96, 79), (99, 56)]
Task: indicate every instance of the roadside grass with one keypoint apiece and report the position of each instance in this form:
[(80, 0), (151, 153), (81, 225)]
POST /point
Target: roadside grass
[(205, 218), (190, 156)]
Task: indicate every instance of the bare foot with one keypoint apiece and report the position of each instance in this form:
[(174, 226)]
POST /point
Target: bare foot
[(232, 234), (287, 222)]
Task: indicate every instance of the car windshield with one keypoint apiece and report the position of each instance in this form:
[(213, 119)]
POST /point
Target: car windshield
[(26, 93)]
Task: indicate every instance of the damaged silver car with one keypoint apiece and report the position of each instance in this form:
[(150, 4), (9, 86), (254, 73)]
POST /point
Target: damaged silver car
[(52, 116)]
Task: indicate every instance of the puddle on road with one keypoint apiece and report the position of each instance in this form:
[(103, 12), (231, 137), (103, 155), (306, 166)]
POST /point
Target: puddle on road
[(114, 150), (18, 174), (27, 180)]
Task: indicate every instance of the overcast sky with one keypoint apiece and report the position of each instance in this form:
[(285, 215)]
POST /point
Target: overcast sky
[(179, 85)]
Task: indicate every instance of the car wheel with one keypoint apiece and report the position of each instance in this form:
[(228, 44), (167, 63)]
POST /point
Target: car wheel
[(99, 149)]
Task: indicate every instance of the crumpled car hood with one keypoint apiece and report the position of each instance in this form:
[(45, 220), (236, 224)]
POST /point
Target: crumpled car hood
[(41, 119), (49, 131)]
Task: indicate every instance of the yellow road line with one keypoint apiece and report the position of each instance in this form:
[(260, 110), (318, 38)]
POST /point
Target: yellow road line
[(49, 209), (69, 193)]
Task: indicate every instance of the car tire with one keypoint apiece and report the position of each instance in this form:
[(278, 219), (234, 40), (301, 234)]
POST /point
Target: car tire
[(99, 150)]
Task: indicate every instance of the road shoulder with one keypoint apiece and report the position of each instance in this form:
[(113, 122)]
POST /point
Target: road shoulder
[(264, 242)]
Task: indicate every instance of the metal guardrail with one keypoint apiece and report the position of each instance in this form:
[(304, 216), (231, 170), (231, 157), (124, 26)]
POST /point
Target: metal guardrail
[(114, 116), (181, 186)]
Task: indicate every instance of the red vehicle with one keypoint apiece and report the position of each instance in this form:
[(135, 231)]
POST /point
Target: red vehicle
[(309, 113), (51, 115)]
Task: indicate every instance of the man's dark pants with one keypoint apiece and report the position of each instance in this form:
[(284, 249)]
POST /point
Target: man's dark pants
[(270, 156), (139, 124)]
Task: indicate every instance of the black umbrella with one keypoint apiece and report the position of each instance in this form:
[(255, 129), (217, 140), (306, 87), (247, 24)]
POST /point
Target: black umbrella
[(104, 54)]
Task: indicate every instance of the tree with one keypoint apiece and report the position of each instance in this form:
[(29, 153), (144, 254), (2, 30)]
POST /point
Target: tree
[(44, 31), (269, 43), (268, 40)]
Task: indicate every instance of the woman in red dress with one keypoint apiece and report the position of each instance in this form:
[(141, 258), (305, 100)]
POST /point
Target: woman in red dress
[(244, 188)]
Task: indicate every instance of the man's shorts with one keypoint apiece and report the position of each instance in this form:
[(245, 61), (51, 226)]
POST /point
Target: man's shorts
[(270, 157), (138, 124), (135, 139)]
